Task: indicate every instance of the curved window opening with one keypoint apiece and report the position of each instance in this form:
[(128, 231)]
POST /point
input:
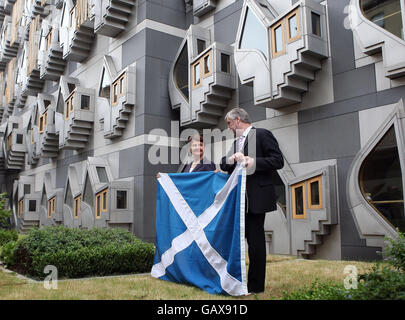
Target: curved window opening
[(105, 86), (181, 72), (384, 13), (254, 34), (279, 189), (381, 180)]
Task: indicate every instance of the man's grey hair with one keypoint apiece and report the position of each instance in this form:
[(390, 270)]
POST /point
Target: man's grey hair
[(238, 113)]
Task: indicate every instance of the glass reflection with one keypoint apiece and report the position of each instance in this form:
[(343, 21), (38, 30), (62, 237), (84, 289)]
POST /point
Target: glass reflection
[(181, 72), (381, 180), (384, 13), (254, 34)]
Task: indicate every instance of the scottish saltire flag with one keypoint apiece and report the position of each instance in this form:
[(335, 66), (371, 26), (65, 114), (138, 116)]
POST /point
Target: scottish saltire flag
[(200, 230)]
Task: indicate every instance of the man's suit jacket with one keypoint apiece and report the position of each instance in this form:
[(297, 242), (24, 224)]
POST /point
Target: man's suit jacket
[(204, 165), (262, 146)]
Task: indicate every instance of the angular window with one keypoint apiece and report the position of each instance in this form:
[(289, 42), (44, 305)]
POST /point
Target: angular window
[(381, 180), (105, 85), (85, 102), (384, 13), (121, 199), (20, 207), (32, 205), (51, 207), (77, 206), (315, 193), (293, 26), (102, 174), (298, 201), (197, 75), (279, 189), (181, 72), (225, 63), (254, 34), (200, 46), (316, 24)]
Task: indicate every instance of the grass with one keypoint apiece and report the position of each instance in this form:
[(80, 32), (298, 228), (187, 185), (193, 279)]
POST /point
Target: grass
[(284, 273)]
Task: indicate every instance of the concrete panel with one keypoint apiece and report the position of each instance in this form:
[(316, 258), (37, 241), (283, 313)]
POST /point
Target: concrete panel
[(226, 23), (354, 83), (329, 138)]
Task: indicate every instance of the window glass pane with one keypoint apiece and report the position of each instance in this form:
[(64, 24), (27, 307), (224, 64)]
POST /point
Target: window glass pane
[(122, 85), (254, 34), (102, 174), (121, 199), (32, 205), (115, 92), (292, 25), (19, 139), (384, 13), (381, 180), (27, 188), (200, 45), (225, 63), (197, 74), (104, 195), (299, 201), (316, 23), (98, 206), (85, 102), (105, 86), (279, 189), (181, 72), (278, 35), (315, 193), (207, 64)]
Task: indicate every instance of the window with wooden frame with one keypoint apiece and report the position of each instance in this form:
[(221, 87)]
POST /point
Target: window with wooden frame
[(51, 206), (72, 20), (9, 141), (48, 39), (118, 89), (202, 68), (197, 74), (315, 193), (299, 201), (293, 26), (207, 63), (43, 121), (69, 105), (101, 202), (77, 206), (20, 207), (278, 38)]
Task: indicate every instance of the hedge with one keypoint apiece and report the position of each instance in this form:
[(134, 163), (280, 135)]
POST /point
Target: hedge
[(79, 252), (7, 236)]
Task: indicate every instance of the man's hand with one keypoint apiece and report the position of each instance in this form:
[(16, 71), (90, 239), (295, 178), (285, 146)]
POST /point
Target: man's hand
[(158, 175), (236, 157), (249, 162)]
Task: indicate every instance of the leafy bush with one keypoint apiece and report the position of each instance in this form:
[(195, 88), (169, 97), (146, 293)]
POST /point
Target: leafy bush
[(317, 291), (7, 236), (4, 214), (395, 252), (81, 252), (383, 283), (7, 252)]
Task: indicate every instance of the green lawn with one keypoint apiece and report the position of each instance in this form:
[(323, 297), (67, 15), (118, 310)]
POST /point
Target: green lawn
[(284, 273)]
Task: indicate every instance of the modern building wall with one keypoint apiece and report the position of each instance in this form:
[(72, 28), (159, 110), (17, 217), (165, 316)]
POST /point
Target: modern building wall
[(327, 99)]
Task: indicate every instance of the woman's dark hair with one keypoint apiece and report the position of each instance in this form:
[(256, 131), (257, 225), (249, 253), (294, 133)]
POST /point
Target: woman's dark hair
[(196, 137)]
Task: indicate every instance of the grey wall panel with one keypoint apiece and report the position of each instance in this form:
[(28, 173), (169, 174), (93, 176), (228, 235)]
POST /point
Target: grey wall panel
[(133, 49), (226, 23), (329, 138), (341, 39), (354, 83), (360, 253), (171, 12)]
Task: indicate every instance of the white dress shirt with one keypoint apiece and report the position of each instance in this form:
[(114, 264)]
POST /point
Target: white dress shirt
[(242, 138)]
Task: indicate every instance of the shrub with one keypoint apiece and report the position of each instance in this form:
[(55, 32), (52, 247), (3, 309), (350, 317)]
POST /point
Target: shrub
[(395, 252), (7, 252), (4, 214), (7, 236), (81, 252), (317, 291)]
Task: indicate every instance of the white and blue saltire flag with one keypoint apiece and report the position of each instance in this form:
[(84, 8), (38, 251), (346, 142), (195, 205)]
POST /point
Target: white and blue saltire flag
[(200, 230)]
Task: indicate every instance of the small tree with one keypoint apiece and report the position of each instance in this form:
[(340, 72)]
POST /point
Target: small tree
[(4, 213)]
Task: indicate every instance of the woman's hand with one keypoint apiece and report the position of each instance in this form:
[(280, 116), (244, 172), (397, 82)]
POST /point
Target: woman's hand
[(158, 175), (216, 170)]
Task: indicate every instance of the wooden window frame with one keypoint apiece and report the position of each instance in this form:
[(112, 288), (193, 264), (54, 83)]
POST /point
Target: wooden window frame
[(273, 38), (209, 55), (20, 207), (194, 85), (69, 107), (42, 122), (102, 195), (296, 12), (77, 206), (9, 141), (72, 18), (315, 206), (51, 206), (294, 209), (120, 83), (48, 40)]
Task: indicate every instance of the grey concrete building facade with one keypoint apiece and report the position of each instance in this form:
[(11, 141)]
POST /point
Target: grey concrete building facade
[(95, 93)]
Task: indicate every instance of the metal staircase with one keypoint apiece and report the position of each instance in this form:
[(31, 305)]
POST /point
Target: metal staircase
[(112, 17)]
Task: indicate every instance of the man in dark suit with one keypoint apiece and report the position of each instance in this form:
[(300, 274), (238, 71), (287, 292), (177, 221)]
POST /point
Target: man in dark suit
[(259, 149)]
